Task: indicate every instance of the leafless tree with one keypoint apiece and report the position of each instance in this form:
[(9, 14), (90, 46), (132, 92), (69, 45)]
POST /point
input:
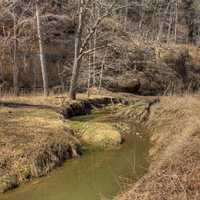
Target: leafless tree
[(82, 41), (41, 49)]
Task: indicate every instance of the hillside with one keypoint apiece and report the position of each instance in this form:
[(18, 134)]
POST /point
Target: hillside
[(142, 63)]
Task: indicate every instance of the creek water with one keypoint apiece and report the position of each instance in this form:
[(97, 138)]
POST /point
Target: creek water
[(95, 175)]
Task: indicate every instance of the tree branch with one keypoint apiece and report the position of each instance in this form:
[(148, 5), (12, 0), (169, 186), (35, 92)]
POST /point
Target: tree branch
[(90, 51), (92, 31)]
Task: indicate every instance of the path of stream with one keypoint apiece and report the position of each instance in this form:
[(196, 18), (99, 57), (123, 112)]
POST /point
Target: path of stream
[(93, 176)]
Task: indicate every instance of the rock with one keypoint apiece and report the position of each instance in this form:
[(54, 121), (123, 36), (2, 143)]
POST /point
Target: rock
[(130, 85)]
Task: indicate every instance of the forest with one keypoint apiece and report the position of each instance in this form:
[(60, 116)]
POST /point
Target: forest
[(104, 91)]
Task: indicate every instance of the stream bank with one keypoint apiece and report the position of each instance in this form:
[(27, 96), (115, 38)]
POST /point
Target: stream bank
[(174, 172), (36, 138), (32, 142), (47, 134), (101, 131), (98, 173)]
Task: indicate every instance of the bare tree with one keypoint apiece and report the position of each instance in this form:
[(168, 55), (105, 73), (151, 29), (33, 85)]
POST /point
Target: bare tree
[(101, 71), (41, 49), (82, 43), (77, 57), (126, 15), (15, 67), (176, 20), (12, 38)]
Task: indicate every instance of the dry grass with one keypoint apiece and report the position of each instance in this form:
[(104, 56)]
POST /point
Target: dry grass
[(174, 174), (52, 100), (99, 134), (174, 119), (32, 141), (33, 138), (23, 130)]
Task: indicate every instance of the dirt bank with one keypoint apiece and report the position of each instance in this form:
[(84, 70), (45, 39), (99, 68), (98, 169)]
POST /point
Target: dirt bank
[(101, 131), (33, 141), (84, 107), (174, 126)]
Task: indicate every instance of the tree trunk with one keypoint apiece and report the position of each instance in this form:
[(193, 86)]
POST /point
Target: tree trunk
[(101, 73), (15, 67), (94, 60), (77, 59), (89, 72), (126, 15), (15, 73), (34, 78), (42, 58), (61, 77), (162, 23), (169, 26), (74, 79), (176, 22)]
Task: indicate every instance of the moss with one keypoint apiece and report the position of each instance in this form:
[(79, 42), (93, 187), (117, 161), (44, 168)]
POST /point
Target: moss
[(97, 129), (100, 134)]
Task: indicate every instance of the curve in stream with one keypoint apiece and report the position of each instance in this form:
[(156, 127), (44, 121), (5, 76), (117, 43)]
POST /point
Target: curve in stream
[(95, 175)]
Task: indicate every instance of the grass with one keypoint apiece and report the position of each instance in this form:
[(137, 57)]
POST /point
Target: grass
[(96, 129), (28, 121), (24, 129), (174, 126), (40, 99), (98, 133), (32, 141)]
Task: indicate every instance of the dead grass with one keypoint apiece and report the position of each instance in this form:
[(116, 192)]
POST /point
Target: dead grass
[(32, 142), (52, 100), (24, 129), (174, 174)]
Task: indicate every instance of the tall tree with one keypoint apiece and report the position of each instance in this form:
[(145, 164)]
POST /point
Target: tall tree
[(41, 49), (77, 58), (14, 50), (82, 41)]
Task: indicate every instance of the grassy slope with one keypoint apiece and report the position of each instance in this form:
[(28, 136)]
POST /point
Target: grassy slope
[(175, 171), (32, 140)]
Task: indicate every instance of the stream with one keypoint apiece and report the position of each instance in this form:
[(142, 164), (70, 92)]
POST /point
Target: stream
[(96, 175)]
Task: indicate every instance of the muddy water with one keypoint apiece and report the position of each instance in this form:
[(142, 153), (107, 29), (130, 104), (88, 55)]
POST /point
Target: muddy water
[(97, 174)]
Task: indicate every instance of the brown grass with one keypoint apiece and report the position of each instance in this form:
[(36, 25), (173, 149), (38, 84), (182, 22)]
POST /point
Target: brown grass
[(174, 174), (33, 141), (52, 100), (33, 138)]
